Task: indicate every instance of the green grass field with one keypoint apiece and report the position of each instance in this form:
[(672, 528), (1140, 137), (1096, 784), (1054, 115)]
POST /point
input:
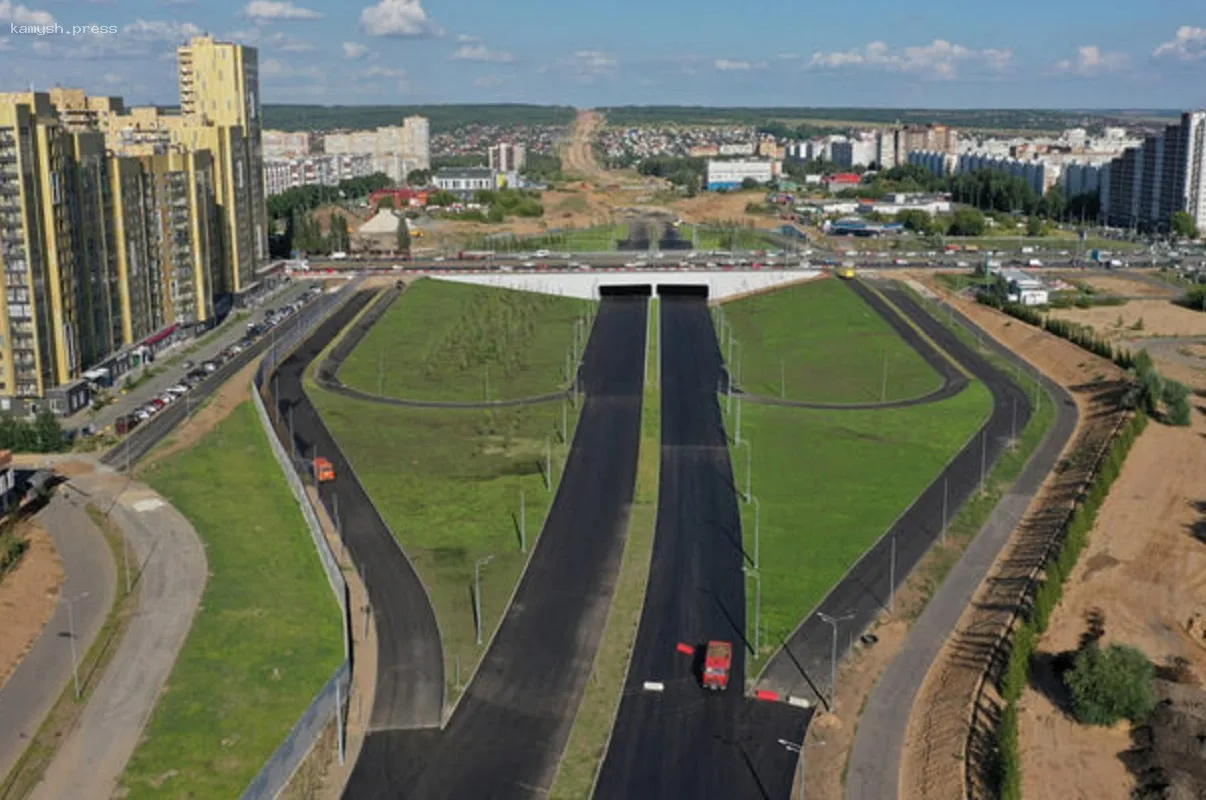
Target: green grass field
[(455, 341), (825, 502), (448, 483), (267, 636), (820, 342), (598, 239), (707, 237)]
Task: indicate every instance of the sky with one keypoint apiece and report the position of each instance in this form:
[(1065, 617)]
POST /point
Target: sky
[(937, 54)]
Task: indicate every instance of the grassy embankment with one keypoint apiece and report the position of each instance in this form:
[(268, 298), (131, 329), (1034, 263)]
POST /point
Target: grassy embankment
[(588, 740), (858, 471), (597, 239), (267, 635), (449, 482), (713, 237), (456, 341), (819, 342)]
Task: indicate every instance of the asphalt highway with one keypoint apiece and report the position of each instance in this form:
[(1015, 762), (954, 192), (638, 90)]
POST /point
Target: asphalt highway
[(686, 741), (802, 667), (410, 664), (509, 730)]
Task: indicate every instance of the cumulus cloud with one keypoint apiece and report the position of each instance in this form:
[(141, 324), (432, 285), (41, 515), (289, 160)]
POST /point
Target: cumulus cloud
[(586, 65), (1090, 60), (278, 41), (403, 18), (140, 39), (938, 59), (737, 65), (1189, 44), (466, 38), (354, 50), (21, 15), (271, 10), (479, 52)]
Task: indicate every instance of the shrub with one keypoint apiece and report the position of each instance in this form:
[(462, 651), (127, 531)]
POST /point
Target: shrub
[(1111, 684)]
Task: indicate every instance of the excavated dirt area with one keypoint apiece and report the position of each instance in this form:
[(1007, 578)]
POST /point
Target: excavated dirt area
[(28, 595), (1138, 319), (943, 726), (1121, 286)]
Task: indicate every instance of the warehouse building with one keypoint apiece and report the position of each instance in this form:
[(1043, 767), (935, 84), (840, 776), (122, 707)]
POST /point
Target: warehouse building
[(731, 174)]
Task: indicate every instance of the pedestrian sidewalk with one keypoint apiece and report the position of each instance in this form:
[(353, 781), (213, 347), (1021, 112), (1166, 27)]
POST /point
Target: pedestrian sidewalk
[(84, 601)]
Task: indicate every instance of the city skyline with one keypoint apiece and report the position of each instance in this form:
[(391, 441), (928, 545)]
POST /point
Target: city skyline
[(1029, 55)]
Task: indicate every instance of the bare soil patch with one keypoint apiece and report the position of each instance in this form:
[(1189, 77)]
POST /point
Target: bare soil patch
[(1159, 318), (936, 760), (1123, 286), (1143, 580), (28, 595)]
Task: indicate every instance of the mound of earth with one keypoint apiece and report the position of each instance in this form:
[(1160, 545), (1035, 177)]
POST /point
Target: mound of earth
[(1169, 754)]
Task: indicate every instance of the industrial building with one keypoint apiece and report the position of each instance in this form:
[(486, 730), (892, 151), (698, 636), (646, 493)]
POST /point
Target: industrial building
[(731, 174), (1024, 288), (1146, 185)]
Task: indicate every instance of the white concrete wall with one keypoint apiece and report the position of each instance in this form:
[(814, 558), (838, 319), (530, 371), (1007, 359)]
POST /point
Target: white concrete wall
[(586, 284)]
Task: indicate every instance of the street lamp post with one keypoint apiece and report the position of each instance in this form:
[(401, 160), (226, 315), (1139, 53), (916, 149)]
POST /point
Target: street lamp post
[(757, 606), (75, 661), (833, 623), (477, 592), (737, 429), (757, 530), (749, 478)]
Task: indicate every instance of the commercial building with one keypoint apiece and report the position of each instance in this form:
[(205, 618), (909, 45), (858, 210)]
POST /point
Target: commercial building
[(731, 174), (282, 174), (506, 157), (464, 181), (1146, 185)]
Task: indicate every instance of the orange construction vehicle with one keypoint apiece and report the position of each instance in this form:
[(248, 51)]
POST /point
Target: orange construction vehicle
[(717, 661), (323, 470)]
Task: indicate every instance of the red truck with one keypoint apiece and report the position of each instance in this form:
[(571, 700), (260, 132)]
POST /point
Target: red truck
[(718, 659)]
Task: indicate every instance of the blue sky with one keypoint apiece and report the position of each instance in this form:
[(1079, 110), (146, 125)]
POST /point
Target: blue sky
[(949, 53)]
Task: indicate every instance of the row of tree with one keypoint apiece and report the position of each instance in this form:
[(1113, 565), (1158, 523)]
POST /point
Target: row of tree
[(310, 197), (42, 434)]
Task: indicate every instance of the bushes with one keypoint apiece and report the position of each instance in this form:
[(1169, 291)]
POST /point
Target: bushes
[(1046, 597), (11, 549), (42, 435), (1111, 685)]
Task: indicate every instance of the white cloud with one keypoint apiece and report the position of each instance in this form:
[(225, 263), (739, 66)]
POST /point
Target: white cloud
[(354, 50), (274, 69), (112, 78), (269, 10), (938, 59), (1189, 44), (1090, 60), (20, 15), (160, 30), (396, 74), (585, 65), (140, 39), (737, 65), (479, 52), (277, 41), (466, 38), (404, 18)]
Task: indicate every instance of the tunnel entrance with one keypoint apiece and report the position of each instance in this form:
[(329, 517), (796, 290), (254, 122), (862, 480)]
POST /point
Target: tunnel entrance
[(682, 290), (626, 290)]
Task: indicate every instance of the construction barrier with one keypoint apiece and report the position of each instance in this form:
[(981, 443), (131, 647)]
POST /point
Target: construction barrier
[(655, 686), (766, 694)]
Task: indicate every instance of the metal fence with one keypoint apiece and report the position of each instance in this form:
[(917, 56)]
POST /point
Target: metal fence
[(332, 700)]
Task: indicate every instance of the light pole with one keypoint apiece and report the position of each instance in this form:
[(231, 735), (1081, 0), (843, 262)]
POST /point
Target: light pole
[(757, 606), (798, 749), (739, 360), (737, 429), (477, 592), (757, 530), (833, 623), (748, 475), (75, 662), (548, 463)]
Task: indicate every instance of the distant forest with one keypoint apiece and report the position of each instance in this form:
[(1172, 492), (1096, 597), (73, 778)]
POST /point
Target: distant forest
[(443, 117), (997, 119)]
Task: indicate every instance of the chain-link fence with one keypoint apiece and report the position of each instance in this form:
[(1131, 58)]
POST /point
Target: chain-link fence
[(332, 700)]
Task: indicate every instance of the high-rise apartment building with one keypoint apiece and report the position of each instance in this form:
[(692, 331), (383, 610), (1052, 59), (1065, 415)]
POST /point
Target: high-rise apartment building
[(1146, 185), (396, 150), (507, 157)]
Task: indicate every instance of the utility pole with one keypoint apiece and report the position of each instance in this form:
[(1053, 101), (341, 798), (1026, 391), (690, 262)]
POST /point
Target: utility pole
[(757, 531), (748, 475), (477, 593), (833, 623), (737, 431)]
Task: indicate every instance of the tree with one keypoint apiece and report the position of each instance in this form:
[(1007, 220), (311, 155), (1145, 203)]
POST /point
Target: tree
[(1034, 226), (1183, 225), (749, 183), (386, 201), (47, 433), (1110, 685), (403, 236), (418, 177), (967, 222)]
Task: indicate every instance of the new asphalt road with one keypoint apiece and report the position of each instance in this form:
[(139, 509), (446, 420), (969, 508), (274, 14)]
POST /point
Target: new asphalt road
[(410, 664), (510, 728), (686, 741), (803, 666)]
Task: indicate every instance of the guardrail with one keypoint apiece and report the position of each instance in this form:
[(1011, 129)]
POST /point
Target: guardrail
[(331, 701)]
